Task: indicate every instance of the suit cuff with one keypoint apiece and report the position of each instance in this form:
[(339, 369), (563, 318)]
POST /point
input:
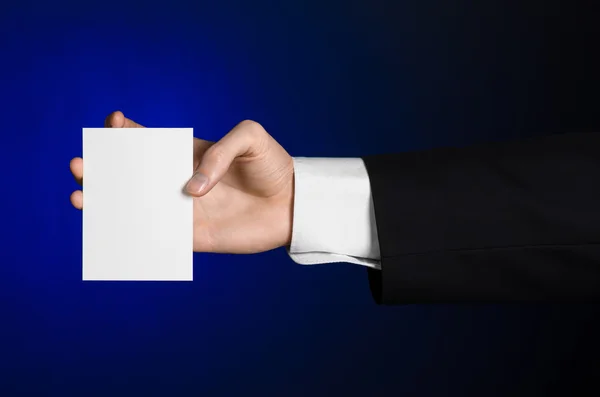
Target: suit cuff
[(334, 219)]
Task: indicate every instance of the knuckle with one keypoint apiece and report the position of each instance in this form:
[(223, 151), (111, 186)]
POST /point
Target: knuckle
[(255, 136), (249, 124), (216, 154), (252, 128)]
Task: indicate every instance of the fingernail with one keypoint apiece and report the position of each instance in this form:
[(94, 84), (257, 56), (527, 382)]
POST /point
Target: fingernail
[(196, 183)]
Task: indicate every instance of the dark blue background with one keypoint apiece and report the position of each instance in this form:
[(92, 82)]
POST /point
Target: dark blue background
[(335, 78)]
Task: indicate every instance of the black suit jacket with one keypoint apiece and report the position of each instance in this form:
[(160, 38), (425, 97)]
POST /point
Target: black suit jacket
[(516, 221)]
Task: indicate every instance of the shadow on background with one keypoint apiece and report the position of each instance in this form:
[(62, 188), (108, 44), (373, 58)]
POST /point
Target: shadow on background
[(336, 78)]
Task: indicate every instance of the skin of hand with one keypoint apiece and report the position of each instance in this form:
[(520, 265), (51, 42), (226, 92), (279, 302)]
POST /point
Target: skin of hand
[(243, 189)]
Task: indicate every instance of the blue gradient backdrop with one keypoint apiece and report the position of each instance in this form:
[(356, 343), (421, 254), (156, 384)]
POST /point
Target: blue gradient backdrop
[(335, 78)]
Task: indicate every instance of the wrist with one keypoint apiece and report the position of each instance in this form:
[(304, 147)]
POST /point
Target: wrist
[(280, 210), (287, 213)]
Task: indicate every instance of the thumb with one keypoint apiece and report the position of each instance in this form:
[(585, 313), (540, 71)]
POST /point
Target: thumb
[(242, 140)]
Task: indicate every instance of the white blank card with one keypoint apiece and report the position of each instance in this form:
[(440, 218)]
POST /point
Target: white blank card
[(137, 220)]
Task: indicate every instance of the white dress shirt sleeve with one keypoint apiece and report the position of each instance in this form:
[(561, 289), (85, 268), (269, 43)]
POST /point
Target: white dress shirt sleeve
[(334, 218)]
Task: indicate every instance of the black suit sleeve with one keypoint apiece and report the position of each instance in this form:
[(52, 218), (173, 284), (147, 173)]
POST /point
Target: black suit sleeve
[(516, 221)]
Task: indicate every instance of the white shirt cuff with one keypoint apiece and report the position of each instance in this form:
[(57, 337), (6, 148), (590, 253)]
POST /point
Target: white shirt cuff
[(334, 218)]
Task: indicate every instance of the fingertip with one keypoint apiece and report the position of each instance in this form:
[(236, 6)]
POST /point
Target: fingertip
[(115, 120), (194, 193), (197, 184), (77, 199), (76, 166)]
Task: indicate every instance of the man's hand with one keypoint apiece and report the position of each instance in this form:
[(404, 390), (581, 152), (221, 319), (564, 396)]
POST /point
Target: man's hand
[(243, 188)]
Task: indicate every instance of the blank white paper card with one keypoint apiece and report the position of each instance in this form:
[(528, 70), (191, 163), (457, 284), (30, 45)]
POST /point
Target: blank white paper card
[(137, 220)]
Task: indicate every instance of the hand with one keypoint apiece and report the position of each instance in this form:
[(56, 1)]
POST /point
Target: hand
[(243, 188)]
